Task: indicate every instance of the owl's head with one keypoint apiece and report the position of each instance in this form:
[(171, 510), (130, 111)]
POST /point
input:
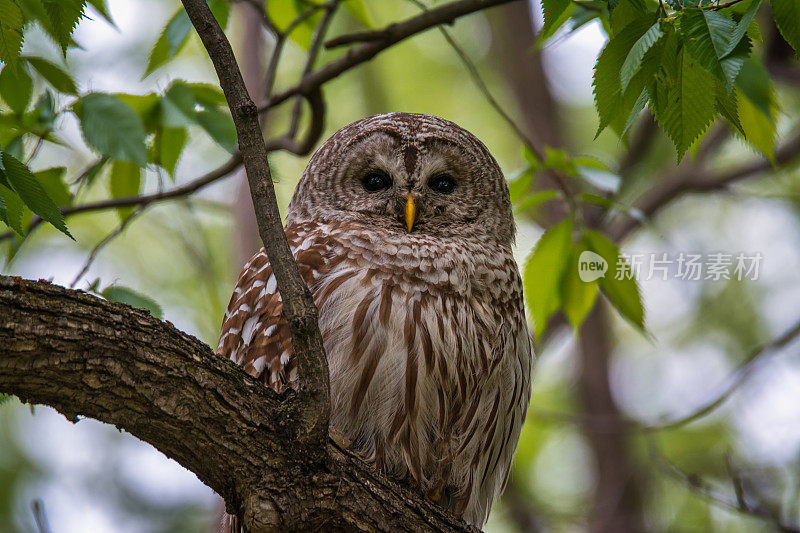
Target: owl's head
[(407, 173)]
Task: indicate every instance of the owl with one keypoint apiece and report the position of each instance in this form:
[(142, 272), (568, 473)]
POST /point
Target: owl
[(402, 228)]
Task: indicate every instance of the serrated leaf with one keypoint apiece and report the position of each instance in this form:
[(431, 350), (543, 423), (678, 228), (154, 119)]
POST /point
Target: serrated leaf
[(55, 75), (16, 87), (544, 271), (690, 103), (708, 35), (623, 293), (625, 12), (133, 298), (167, 147), (741, 27), (146, 106), (11, 24), (52, 181), (552, 10), (125, 180), (112, 127), (62, 18), (728, 107), (173, 38), (607, 85), (578, 296), (634, 59), (31, 192), (787, 18)]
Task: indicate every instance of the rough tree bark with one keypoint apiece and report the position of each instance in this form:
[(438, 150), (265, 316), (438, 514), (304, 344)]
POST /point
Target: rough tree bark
[(85, 356)]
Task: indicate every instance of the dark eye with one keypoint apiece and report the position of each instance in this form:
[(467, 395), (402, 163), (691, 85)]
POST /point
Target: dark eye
[(442, 183), (376, 181)]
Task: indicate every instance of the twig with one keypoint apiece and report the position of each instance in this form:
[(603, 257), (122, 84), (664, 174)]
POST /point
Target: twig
[(142, 200), (313, 52), (735, 380), (298, 304), (104, 242), (661, 195), (697, 485), (40, 516), (392, 34)]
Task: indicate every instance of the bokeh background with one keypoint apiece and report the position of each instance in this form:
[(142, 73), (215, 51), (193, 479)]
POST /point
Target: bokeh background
[(186, 256)]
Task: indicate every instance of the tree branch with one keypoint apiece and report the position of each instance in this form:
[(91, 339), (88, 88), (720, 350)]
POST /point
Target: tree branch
[(390, 35), (298, 303), (85, 356)]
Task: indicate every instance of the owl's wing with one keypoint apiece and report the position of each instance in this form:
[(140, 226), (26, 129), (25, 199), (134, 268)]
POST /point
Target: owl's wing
[(254, 332)]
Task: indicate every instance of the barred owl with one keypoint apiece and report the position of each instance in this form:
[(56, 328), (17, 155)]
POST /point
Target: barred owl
[(402, 228)]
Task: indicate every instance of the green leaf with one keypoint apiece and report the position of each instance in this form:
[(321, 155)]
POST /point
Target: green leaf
[(741, 27), (112, 127), (607, 84), (221, 11), (102, 7), (136, 299), (16, 87), (219, 126), (13, 208), (552, 28), (728, 106), (709, 37), (285, 12), (544, 271), (31, 192), (52, 181), (637, 52), (690, 104), (172, 39), (11, 24), (63, 17), (167, 147), (578, 296), (755, 83), (625, 12), (552, 11), (623, 293), (55, 75), (126, 180), (533, 200), (787, 18), (759, 128), (519, 185), (146, 106)]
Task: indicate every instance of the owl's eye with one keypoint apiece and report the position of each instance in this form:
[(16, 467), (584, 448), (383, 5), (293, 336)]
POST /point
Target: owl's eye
[(376, 181), (442, 183)]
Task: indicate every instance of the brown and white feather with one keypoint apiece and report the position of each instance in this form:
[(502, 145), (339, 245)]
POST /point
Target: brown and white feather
[(425, 333)]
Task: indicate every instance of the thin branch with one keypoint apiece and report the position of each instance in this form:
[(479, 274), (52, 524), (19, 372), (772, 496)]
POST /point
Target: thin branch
[(104, 242), (392, 34), (698, 485), (298, 303), (313, 52), (695, 180), (734, 381)]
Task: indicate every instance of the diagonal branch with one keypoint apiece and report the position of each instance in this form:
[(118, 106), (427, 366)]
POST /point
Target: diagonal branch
[(388, 37), (85, 356), (298, 304)]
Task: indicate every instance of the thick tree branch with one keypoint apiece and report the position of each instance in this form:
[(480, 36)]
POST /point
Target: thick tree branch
[(85, 356), (298, 304)]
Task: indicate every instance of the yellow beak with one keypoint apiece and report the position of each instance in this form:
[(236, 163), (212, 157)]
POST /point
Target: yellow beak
[(411, 212)]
